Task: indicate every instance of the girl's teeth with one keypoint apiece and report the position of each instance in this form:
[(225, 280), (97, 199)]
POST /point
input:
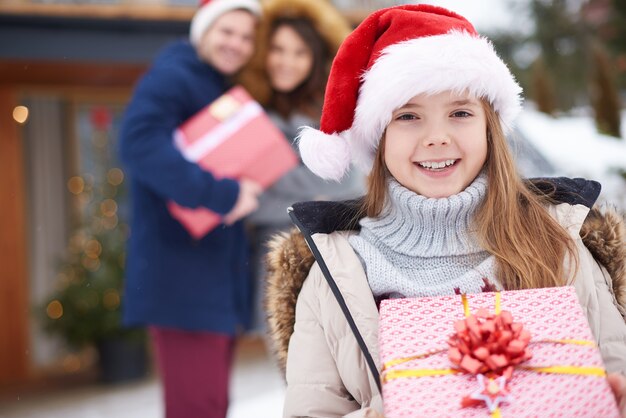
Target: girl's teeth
[(436, 165)]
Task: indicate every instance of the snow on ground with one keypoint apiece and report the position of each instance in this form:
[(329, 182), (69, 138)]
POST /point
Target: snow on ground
[(575, 148), (257, 390)]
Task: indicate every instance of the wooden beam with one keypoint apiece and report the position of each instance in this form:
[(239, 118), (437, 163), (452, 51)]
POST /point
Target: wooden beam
[(48, 73), (130, 11), (100, 11), (14, 300)]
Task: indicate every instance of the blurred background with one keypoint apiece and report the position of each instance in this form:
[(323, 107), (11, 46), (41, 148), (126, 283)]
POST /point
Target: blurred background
[(67, 69)]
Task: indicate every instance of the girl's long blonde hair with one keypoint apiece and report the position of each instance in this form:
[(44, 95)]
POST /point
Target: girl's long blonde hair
[(512, 222)]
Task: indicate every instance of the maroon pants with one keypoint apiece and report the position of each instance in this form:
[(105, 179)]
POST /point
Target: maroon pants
[(195, 371)]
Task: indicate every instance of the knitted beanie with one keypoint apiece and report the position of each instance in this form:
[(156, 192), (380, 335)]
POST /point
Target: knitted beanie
[(394, 54), (210, 10)]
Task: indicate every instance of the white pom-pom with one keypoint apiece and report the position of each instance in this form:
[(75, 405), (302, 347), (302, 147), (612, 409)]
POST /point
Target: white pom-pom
[(328, 156)]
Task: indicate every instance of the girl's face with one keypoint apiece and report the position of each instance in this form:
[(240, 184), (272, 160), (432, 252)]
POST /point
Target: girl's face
[(289, 60), (436, 145)]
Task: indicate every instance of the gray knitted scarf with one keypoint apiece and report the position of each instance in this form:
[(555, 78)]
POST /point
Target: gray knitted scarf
[(425, 247)]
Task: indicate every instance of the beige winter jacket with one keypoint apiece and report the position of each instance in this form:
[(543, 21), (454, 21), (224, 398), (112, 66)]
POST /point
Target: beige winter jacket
[(326, 371)]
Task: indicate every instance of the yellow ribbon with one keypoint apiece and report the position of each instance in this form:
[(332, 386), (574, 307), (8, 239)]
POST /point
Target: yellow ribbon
[(497, 303), (575, 342), (577, 370), (466, 308), (396, 374), (401, 360)]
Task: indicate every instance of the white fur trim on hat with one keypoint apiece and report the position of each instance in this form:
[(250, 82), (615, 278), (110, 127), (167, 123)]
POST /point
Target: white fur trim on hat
[(328, 156), (206, 15), (456, 61)]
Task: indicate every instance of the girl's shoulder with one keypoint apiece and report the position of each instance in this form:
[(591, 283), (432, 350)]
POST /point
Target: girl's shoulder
[(290, 261), (570, 199), (290, 257), (604, 234), (602, 229)]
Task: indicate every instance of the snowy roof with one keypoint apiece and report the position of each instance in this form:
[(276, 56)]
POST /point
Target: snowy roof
[(575, 149)]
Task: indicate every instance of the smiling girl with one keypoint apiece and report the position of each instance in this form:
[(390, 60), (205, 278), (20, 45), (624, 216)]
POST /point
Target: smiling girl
[(420, 101)]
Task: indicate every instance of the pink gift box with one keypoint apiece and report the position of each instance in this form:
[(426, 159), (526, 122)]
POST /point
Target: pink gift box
[(415, 327), (232, 137)]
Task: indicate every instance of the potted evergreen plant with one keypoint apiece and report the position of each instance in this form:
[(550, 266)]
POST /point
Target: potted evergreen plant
[(85, 309)]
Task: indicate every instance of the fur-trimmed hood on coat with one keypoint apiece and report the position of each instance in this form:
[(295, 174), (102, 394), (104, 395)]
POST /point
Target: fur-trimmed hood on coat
[(326, 19), (290, 259)]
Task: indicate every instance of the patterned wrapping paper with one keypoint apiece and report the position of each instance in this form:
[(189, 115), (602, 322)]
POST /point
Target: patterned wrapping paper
[(231, 137), (417, 326)]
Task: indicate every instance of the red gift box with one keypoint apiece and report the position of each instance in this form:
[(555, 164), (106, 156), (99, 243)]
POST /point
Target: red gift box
[(234, 138), (560, 372)]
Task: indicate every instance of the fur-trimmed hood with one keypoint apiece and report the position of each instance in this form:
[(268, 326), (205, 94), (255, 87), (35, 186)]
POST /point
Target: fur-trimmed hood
[(326, 19), (290, 259)]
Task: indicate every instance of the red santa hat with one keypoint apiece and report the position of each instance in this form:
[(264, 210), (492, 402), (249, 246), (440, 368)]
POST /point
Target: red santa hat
[(393, 55), (210, 10)]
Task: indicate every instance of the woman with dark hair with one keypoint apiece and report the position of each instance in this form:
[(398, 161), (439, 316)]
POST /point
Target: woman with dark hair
[(297, 68), (297, 41)]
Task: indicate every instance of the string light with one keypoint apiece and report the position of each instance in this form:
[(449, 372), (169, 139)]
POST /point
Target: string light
[(20, 114), (93, 248), (111, 299), (110, 223), (115, 176), (91, 264), (76, 185), (108, 207), (90, 278), (54, 310)]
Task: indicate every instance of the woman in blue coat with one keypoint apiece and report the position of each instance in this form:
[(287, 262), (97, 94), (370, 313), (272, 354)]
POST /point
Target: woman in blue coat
[(193, 294)]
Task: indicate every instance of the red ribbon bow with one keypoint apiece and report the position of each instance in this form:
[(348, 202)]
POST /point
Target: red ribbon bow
[(488, 343)]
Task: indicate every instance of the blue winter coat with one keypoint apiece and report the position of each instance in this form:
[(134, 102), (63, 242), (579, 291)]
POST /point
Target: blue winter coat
[(173, 280)]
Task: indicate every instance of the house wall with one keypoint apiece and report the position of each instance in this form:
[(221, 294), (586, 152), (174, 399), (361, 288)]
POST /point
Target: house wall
[(14, 312), (49, 63)]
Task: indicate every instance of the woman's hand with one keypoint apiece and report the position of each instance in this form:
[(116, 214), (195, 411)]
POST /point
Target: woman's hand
[(618, 385)]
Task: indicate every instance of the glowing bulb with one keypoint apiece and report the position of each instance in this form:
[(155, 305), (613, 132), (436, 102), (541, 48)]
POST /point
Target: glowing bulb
[(20, 114), (108, 207), (111, 299), (93, 249), (54, 309), (76, 185), (115, 176)]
